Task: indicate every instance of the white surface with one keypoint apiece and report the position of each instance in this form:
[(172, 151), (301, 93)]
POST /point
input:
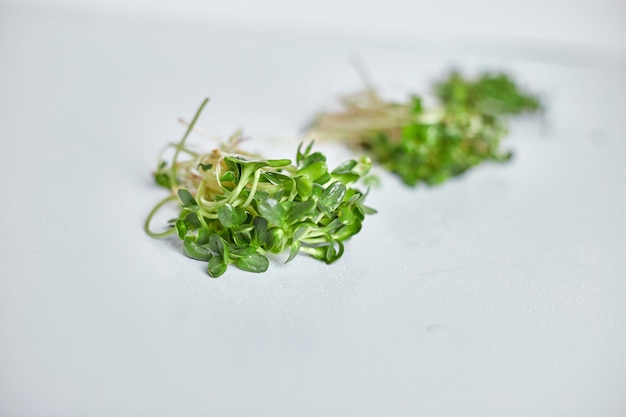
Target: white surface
[(501, 293)]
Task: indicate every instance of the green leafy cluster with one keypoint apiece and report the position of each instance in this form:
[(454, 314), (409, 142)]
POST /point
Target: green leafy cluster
[(237, 208), (430, 145)]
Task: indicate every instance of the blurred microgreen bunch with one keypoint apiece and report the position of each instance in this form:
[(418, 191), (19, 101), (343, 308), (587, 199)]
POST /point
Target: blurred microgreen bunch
[(235, 207), (430, 145)]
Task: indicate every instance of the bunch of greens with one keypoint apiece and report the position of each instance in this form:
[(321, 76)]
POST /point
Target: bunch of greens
[(236, 207), (429, 145)]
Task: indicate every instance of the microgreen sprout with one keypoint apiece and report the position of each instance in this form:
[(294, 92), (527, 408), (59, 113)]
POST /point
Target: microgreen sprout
[(429, 145), (235, 207)]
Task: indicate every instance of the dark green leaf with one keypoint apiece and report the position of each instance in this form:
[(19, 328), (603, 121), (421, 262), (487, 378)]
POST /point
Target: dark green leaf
[(192, 221), (255, 262), (216, 243), (260, 230), (241, 238), (230, 216), (242, 252), (217, 266), (196, 251), (186, 198), (203, 236)]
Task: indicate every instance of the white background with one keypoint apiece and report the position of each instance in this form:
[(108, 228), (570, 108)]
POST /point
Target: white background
[(500, 293), (583, 23)]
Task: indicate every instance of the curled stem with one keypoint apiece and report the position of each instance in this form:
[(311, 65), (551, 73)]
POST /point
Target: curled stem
[(146, 226)]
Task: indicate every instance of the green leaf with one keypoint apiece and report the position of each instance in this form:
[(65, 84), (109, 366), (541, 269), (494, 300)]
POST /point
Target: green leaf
[(260, 230), (331, 197), (332, 253), (186, 198), (255, 262), (276, 178), (163, 179), (192, 221), (203, 236), (230, 216), (323, 179), (275, 239), (181, 228), (304, 186), (299, 211), (216, 243), (333, 225), (368, 210), (245, 227), (205, 167), (301, 229), (371, 181), (242, 239), (346, 215), (217, 266), (261, 195), (272, 211), (242, 252), (278, 195), (228, 176), (300, 156), (345, 168), (249, 165), (276, 163), (313, 158), (346, 178), (293, 251), (314, 171), (317, 191), (347, 231), (196, 251)]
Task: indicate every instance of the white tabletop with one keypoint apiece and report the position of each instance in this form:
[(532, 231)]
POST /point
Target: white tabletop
[(500, 293)]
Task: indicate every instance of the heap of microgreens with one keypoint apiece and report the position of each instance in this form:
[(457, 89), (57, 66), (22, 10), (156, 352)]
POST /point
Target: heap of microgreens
[(431, 145), (236, 207)]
